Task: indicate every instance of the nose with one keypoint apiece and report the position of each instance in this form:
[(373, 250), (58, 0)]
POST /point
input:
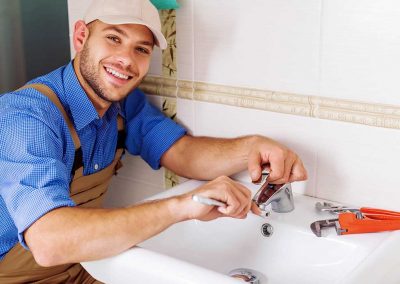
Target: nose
[(125, 58)]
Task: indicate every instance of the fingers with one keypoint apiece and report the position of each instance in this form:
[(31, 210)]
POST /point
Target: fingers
[(246, 205), (238, 200), (285, 168), (298, 172), (236, 196), (277, 165), (294, 170), (285, 165), (255, 209)]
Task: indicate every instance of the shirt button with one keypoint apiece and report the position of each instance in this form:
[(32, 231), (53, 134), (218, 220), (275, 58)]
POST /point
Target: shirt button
[(96, 166)]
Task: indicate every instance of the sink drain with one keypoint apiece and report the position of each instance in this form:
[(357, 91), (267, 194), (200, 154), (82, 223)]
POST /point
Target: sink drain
[(267, 230), (246, 274)]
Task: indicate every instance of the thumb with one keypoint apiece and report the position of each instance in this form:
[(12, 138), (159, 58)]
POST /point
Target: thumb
[(254, 165)]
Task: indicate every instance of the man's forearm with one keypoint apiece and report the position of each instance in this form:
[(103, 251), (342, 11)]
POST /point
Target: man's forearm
[(70, 235), (206, 158)]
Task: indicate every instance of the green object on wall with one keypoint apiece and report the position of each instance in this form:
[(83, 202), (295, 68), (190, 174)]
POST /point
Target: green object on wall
[(165, 4)]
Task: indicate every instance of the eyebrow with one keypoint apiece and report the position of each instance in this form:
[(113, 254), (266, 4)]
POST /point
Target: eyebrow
[(122, 32)]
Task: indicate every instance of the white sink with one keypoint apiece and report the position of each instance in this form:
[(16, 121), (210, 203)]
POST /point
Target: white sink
[(205, 252)]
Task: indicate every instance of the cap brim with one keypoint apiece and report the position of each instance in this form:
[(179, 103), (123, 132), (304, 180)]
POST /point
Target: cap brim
[(161, 42)]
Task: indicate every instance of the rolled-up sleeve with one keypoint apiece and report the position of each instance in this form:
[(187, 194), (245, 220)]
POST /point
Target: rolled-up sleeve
[(149, 132), (34, 179)]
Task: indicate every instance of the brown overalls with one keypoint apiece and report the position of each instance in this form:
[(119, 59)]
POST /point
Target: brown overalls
[(19, 266)]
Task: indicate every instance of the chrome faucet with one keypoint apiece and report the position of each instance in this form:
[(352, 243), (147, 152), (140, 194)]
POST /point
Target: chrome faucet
[(278, 195)]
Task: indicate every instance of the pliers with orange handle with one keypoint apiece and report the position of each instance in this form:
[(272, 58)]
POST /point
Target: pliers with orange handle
[(358, 221)]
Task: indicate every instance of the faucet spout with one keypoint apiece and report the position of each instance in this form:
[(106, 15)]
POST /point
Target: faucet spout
[(280, 196)]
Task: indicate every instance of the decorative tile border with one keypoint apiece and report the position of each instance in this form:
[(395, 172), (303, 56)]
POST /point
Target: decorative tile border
[(378, 115), (169, 69)]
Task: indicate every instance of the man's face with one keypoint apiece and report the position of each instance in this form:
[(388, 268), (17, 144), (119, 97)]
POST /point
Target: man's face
[(115, 58)]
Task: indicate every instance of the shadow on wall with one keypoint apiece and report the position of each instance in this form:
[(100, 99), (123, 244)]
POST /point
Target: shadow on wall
[(33, 40)]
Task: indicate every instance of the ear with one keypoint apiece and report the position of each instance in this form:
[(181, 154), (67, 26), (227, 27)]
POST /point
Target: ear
[(81, 34)]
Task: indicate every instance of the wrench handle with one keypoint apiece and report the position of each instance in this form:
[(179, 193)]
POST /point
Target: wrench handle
[(351, 225), (375, 211)]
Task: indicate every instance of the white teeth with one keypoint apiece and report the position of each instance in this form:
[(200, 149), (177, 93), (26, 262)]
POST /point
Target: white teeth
[(117, 74)]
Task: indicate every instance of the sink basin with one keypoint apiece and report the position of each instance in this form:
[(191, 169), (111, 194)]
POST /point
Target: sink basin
[(205, 252)]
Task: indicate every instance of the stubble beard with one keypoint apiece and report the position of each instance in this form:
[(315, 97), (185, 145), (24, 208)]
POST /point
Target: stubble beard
[(90, 75)]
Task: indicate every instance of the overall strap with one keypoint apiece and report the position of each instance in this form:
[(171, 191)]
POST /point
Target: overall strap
[(49, 93), (78, 159)]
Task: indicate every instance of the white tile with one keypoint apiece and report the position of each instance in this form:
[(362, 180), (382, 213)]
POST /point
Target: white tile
[(360, 50), (136, 169), (184, 40), (358, 164), (264, 44), (186, 114), (123, 192)]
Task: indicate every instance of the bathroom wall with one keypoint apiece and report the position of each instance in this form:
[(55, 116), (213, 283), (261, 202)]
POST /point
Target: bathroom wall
[(320, 76), (29, 46), (12, 65), (45, 45)]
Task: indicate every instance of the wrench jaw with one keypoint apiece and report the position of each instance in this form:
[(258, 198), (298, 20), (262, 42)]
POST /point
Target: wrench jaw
[(334, 209), (338, 209), (318, 226)]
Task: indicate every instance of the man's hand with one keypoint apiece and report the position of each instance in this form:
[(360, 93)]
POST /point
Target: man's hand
[(285, 165), (235, 195)]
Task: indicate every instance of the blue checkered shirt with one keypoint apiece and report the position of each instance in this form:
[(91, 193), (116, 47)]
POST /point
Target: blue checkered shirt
[(37, 151)]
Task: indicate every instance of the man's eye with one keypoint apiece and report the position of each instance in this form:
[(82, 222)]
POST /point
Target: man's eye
[(114, 38), (143, 50)]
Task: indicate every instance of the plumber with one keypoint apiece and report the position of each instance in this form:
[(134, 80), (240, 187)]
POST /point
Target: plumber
[(62, 137)]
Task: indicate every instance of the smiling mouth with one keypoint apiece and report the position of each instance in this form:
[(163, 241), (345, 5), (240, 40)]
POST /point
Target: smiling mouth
[(117, 74)]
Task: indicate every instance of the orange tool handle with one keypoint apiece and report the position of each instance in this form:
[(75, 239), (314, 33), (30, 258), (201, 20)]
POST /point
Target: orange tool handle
[(375, 211), (352, 225), (381, 217)]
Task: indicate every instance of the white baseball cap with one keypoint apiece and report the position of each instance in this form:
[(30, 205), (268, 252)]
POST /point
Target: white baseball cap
[(140, 12)]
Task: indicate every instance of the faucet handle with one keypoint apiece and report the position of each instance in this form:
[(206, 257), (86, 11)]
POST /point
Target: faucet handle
[(260, 197), (278, 195), (263, 177)]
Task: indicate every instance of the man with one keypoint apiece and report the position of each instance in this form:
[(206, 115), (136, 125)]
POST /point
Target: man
[(61, 145)]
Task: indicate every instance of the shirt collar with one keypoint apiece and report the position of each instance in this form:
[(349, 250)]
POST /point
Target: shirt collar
[(82, 110)]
